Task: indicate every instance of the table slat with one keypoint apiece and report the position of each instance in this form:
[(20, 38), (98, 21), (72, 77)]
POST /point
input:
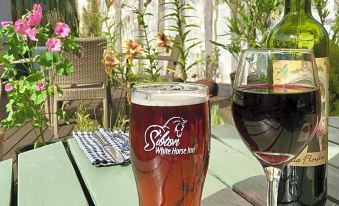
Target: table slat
[(6, 182), (225, 197), (333, 135), (230, 166), (334, 122), (46, 177), (116, 183), (105, 184)]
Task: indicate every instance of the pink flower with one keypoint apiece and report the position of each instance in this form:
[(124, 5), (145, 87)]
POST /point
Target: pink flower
[(37, 7), (21, 26), (35, 17), (40, 85), (133, 49), (162, 41), (31, 34), (53, 45), (6, 23), (61, 30), (110, 61), (109, 3), (9, 87)]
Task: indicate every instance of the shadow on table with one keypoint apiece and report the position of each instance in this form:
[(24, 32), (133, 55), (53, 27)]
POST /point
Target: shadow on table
[(225, 197), (253, 189)]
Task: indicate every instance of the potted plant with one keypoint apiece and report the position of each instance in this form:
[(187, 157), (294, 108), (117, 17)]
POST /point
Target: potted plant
[(28, 94), (208, 66)]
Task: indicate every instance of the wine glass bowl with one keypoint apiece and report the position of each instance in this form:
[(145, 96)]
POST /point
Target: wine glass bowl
[(276, 106)]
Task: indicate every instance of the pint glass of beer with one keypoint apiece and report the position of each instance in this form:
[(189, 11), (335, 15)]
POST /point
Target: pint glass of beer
[(170, 142)]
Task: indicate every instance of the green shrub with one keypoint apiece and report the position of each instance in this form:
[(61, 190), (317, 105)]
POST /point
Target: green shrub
[(83, 121)]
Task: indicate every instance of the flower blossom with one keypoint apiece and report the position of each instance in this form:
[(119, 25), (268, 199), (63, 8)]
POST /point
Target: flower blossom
[(35, 17), (21, 26), (39, 86), (110, 61), (6, 23), (148, 2), (109, 3), (9, 87), (162, 41), (53, 45), (133, 49), (61, 30), (31, 34)]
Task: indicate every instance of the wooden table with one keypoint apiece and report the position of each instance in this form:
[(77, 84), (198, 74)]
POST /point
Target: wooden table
[(55, 176)]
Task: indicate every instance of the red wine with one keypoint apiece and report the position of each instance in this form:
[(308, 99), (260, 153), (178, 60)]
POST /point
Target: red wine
[(276, 122)]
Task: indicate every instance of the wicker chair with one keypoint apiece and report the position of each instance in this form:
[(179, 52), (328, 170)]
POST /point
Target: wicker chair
[(88, 81)]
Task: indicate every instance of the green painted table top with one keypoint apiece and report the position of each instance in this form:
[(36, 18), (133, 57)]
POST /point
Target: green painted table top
[(5, 182), (107, 184), (230, 164), (46, 178)]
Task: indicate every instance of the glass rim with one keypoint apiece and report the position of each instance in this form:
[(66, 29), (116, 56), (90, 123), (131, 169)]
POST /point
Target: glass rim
[(169, 87), (169, 94), (277, 50)]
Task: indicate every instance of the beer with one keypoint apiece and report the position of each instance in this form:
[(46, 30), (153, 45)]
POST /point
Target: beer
[(170, 137)]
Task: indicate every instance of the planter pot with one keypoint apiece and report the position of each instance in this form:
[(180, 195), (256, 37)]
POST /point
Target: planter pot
[(212, 86), (232, 77)]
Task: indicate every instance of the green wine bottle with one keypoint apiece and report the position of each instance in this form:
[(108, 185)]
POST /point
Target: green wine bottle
[(304, 180)]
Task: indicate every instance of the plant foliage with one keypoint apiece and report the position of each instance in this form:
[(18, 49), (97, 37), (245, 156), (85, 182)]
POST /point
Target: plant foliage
[(91, 18), (183, 29), (28, 94), (83, 121), (250, 23)]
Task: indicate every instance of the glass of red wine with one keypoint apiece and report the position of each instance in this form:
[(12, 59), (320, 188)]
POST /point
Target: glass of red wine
[(276, 107)]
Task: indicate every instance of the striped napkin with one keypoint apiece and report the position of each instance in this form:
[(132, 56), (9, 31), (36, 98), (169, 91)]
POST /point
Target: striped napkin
[(94, 150)]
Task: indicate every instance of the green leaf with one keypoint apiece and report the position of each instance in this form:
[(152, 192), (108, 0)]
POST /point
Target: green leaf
[(64, 68), (45, 59), (34, 77), (62, 114), (170, 15), (193, 45), (23, 86)]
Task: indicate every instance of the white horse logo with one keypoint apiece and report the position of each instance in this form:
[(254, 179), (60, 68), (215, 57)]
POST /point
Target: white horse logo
[(157, 135)]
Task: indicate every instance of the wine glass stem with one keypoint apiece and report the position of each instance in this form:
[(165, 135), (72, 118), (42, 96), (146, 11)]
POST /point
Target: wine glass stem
[(273, 176)]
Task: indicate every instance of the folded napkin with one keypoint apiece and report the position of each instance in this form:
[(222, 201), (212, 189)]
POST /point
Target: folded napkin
[(94, 150)]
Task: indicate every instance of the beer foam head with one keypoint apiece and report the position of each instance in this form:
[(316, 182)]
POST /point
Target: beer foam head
[(169, 94)]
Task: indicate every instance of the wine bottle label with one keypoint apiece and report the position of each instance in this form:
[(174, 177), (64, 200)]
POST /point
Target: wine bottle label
[(316, 152), (287, 71)]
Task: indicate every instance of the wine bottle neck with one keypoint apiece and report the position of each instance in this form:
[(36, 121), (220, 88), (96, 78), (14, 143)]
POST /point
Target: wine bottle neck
[(298, 6)]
